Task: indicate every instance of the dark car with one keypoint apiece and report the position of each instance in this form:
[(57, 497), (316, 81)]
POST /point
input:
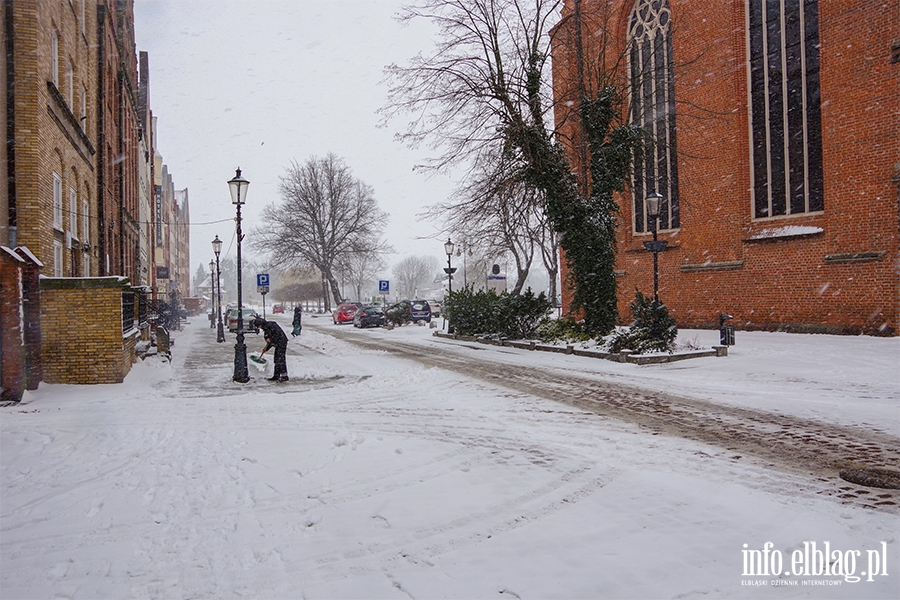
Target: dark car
[(420, 310), (278, 309), (345, 312), (369, 316)]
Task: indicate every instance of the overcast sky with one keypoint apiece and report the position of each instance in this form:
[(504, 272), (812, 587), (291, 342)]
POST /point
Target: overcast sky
[(256, 84)]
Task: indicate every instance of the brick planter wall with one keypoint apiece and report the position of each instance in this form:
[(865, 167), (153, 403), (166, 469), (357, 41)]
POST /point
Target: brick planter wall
[(81, 330)]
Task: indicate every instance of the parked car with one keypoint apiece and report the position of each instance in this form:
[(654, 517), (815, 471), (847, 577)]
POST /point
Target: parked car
[(247, 314), (420, 310), (435, 308), (345, 312), (369, 316), (278, 309)]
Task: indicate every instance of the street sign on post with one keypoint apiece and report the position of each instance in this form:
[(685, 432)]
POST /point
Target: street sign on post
[(262, 286), (384, 286)]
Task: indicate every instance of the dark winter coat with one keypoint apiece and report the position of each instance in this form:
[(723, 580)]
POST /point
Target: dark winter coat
[(298, 316), (273, 333)]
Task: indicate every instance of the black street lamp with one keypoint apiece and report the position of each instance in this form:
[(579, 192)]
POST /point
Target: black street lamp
[(217, 248), (654, 200), (449, 270), (238, 186), (212, 293), (448, 248)]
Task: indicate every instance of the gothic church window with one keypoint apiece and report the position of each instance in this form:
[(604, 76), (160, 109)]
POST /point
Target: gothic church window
[(653, 109), (785, 118)]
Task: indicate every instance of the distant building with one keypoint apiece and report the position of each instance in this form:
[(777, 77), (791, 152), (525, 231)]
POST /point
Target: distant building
[(777, 155)]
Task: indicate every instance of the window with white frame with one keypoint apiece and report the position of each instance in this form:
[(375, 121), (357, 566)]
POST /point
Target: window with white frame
[(57, 202), (73, 213), (70, 87), (85, 221), (57, 258), (54, 57), (83, 115), (653, 109), (785, 111)]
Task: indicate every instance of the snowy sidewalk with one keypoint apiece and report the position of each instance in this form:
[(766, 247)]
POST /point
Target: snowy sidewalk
[(369, 477)]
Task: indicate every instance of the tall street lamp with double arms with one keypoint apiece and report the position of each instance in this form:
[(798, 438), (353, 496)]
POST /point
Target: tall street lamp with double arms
[(217, 249), (654, 200), (238, 187)]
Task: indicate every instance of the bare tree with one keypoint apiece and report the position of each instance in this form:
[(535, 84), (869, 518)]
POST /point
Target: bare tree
[(498, 214), (324, 216), (414, 273), (483, 83), (358, 269), (483, 95)]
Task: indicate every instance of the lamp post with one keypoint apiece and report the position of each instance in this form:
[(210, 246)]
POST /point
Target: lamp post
[(217, 248), (238, 187), (448, 248), (212, 293), (449, 270), (654, 200), (464, 251)]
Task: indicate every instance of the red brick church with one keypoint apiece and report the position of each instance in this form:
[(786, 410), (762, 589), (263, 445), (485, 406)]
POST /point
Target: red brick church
[(777, 125)]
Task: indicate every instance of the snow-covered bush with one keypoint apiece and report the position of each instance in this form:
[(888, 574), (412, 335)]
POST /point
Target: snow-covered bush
[(646, 333)]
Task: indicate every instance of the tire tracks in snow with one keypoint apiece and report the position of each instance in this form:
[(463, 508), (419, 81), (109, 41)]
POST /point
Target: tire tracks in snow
[(806, 447)]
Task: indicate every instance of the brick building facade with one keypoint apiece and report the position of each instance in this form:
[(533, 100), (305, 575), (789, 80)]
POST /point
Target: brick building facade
[(778, 147), (79, 140), (52, 163), (79, 153)]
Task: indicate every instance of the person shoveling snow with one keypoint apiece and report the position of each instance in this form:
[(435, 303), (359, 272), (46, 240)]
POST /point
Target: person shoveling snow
[(275, 337)]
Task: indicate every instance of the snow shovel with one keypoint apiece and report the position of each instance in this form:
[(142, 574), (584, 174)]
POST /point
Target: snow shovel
[(259, 362)]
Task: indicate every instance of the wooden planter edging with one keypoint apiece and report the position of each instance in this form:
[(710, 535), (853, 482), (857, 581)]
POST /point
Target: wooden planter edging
[(622, 357)]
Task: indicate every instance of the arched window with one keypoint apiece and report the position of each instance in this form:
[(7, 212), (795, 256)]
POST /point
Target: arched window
[(785, 118), (653, 108)]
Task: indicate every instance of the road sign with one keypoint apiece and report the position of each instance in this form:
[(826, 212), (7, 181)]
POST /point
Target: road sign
[(262, 279), (262, 289), (384, 286)]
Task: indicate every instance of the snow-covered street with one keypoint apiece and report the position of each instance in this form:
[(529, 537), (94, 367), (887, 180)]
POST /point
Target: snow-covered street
[(371, 476)]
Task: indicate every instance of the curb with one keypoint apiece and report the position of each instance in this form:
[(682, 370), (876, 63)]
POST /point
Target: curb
[(626, 356)]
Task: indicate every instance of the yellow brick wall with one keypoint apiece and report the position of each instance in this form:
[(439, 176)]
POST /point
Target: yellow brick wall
[(81, 331), (50, 135)]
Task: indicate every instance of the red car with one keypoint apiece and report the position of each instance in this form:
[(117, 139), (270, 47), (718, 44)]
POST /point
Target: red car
[(278, 309), (345, 312)]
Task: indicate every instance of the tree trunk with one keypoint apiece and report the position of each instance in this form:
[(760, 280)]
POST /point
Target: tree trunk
[(335, 288)]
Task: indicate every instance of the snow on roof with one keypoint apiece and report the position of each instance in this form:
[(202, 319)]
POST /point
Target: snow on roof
[(24, 250), (13, 254)]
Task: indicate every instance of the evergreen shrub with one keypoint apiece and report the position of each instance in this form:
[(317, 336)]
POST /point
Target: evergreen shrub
[(644, 334), (486, 313)]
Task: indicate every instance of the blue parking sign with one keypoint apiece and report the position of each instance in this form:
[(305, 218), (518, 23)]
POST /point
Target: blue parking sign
[(262, 279), (384, 286)]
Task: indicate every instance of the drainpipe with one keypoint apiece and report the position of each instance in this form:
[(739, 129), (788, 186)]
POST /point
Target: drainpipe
[(101, 140), (10, 122), (120, 166)]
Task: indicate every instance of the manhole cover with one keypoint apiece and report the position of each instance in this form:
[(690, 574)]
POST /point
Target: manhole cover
[(877, 478)]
